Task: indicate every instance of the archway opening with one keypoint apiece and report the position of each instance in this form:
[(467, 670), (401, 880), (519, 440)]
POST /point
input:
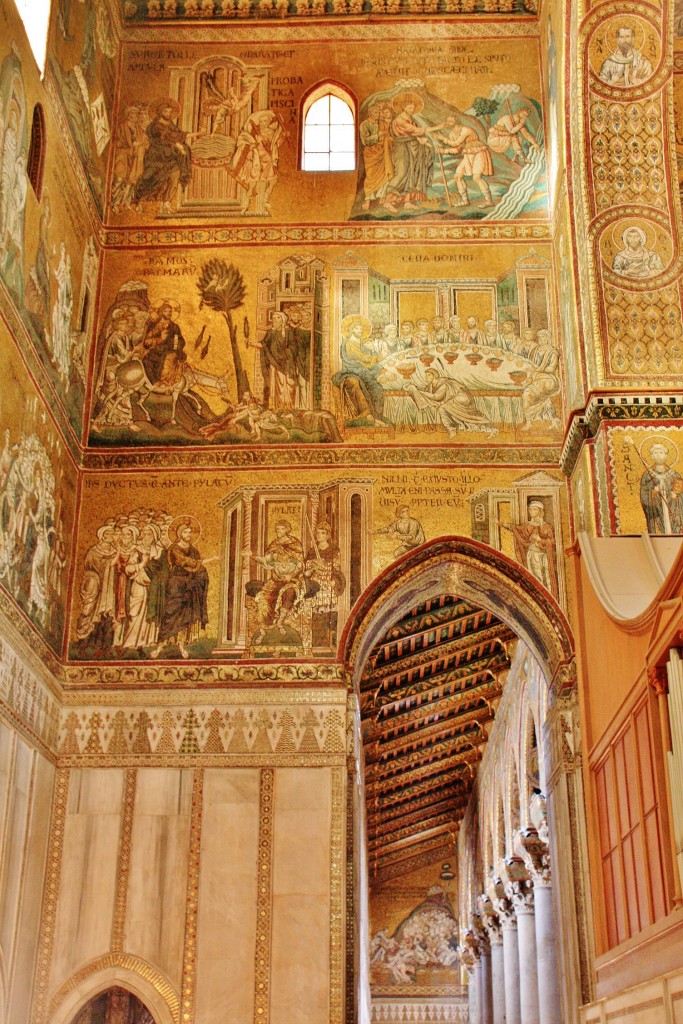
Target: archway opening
[(116, 1005), (432, 645)]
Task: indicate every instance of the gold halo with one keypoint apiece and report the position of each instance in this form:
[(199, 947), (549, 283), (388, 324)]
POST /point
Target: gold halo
[(621, 227), (156, 106), (184, 521), (349, 322), (402, 98), (647, 445), (173, 303), (630, 21)]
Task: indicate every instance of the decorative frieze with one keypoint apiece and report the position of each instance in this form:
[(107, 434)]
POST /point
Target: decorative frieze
[(226, 10), (446, 1011), (247, 734)]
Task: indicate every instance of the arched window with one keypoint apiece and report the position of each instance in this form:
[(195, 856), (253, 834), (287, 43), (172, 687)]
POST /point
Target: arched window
[(36, 152), (329, 139), (35, 15)]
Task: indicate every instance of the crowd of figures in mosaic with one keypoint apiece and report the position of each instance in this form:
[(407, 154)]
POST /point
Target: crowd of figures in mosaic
[(337, 345)]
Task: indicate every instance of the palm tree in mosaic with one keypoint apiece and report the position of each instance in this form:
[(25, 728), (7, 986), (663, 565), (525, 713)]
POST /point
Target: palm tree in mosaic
[(221, 286)]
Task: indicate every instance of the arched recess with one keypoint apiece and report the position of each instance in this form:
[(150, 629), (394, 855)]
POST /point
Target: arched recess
[(139, 977), (476, 572), (484, 577), (338, 123)]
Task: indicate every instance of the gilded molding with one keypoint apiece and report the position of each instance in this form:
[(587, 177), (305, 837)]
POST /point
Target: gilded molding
[(241, 674), (337, 889), (118, 928), (385, 233), (264, 899), (192, 900), (53, 872), (128, 963), (319, 455), (203, 698)]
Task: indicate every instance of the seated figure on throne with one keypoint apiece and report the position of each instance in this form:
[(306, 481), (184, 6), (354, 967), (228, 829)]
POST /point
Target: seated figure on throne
[(281, 597)]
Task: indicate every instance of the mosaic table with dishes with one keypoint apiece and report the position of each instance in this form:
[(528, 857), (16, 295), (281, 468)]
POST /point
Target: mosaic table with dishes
[(495, 379)]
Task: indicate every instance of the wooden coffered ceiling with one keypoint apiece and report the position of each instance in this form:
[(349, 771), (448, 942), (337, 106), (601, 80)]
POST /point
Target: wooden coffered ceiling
[(428, 699)]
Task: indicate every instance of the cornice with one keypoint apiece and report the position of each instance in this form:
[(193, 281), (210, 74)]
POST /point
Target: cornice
[(253, 457), (471, 16), (615, 407)]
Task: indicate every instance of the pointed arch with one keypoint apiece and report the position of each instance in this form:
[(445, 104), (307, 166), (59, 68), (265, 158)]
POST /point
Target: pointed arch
[(328, 134), (116, 969), (476, 572)]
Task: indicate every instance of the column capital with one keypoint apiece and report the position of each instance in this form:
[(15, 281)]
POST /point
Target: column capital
[(469, 951), (490, 920), (519, 888), (501, 905), (481, 935), (535, 854)]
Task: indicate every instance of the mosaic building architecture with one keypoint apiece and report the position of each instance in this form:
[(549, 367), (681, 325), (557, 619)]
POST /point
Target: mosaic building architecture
[(341, 507)]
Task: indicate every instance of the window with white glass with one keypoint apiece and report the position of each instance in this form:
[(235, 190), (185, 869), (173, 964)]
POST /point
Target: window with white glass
[(35, 15), (329, 139)]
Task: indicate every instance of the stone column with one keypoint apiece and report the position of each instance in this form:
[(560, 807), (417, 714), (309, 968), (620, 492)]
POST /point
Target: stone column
[(485, 991), (469, 958), (508, 924), (520, 891), (568, 844), (494, 930), (533, 843)]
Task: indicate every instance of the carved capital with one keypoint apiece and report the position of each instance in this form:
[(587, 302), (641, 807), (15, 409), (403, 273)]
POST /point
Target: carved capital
[(658, 679), (469, 951), (521, 895), (481, 934), (519, 888), (500, 904), (536, 856), (490, 920)]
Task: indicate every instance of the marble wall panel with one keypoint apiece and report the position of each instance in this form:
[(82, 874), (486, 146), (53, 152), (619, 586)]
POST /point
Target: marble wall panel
[(302, 823), (16, 838), (25, 795), (32, 882), (155, 918), (226, 939), (88, 872)]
